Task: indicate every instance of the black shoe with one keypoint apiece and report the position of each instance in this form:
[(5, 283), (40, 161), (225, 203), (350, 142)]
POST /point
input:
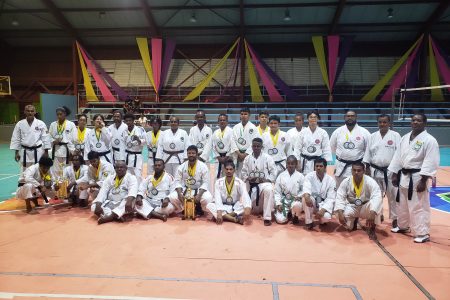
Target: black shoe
[(267, 222), (199, 211), (355, 224), (295, 220), (289, 215), (309, 226)]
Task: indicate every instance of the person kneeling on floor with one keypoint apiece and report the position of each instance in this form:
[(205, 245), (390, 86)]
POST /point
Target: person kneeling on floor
[(116, 195), (359, 196), (152, 200), (77, 175), (37, 180)]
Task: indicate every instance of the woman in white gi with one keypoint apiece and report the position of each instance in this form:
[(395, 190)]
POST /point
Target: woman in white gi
[(192, 174), (153, 200), (77, 174), (319, 194), (379, 153), (349, 142), (293, 133), (117, 145), (29, 140), (200, 135), (134, 139), (99, 140), (61, 136), (288, 193), (413, 164), (116, 195), (152, 138), (231, 200), (80, 135), (98, 172), (276, 143), (260, 172), (172, 146), (243, 133), (313, 143), (223, 145), (359, 196)]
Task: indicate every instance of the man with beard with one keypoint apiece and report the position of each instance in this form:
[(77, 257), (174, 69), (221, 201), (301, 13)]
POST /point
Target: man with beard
[(117, 129)]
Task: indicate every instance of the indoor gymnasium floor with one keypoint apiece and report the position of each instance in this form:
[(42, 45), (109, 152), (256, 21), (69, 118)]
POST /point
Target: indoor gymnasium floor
[(63, 253)]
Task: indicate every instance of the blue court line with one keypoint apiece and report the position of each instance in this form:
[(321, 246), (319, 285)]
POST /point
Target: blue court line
[(274, 284)]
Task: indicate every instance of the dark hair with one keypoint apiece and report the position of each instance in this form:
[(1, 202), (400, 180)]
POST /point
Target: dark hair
[(245, 109), (223, 115), (192, 147), (424, 117), (80, 158), (359, 163), (64, 109), (275, 117), (229, 163), (384, 116), (200, 110), (263, 112), (257, 140), (291, 157), (351, 110), (312, 112), (156, 120), (161, 160), (99, 115), (128, 116), (119, 111), (93, 155), (300, 114), (82, 115), (321, 160), (46, 161)]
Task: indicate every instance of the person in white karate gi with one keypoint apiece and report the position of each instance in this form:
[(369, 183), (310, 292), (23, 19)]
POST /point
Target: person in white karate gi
[(349, 142), (117, 143), (276, 143), (200, 135), (153, 200), (98, 140), (414, 163), (359, 197), (260, 172), (263, 121), (223, 145), (288, 193), (312, 143), (152, 138), (61, 134), (319, 194), (192, 174), (116, 196), (243, 133), (77, 174), (80, 135), (38, 181), (231, 200), (134, 138), (293, 133), (379, 153), (172, 146), (30, 140), (98, 171)]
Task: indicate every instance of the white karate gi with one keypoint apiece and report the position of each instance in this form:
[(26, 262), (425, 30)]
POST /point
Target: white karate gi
[(61, 153), (78, 142), (240, 198), (264, 202), (201, 139), (310, 146), (348, 146), (152, 147), (293, 135), (32, 180), (31, 141), (421, 153), (278, 151), (96, 176), (201, 177), (133, 151), (379, 153), (69, 175), (152, 196), (261, 132), (92, 143), (223, 144), (243, 137), (112, 198), (117, 145), (287, 187), (322, 194), (176, 143), (370, 197)]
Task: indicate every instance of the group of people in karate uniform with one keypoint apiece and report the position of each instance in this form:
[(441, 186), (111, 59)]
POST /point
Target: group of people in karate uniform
[(258, 170)]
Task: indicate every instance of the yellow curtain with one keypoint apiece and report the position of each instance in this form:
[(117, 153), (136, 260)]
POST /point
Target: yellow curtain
[(90, 94), (320, 53), (145, 55), (254, 87)]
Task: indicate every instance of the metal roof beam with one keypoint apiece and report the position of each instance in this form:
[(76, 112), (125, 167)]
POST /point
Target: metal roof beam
[(153, 28), (337, 16), (434, 17), (59, 16)]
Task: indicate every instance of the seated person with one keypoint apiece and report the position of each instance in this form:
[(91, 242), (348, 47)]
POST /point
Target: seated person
[(319, 194), (98, 171), (260, 172), (152, 200), (288, 193), (231, 199), (37, 180), (116, 195), (76, 174), (191, 174), (359, 196)]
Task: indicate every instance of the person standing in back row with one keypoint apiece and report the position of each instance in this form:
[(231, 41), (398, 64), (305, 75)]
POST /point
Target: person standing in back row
[(244, 133)]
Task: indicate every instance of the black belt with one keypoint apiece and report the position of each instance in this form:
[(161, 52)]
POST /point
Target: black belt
[(410, 185), (279, 162), (385, 172), (25, 148), (153, 154), (220, 165), (172, 153), (67, 151), (105, 155), (135, 156), (114, 150), (252, 186), (307, 157), (347, 163)]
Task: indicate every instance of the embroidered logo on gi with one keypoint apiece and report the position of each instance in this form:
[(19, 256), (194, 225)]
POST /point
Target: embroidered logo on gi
[(207, 135), (251, 131), (105, 174), (182, 139), (282, 139), (67, 130), (36, 128), (417, 145), (317, 141), (390, 142), (358, 138)]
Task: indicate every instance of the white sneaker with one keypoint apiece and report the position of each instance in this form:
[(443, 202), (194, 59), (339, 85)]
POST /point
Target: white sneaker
[(399, 230), (422, 238)]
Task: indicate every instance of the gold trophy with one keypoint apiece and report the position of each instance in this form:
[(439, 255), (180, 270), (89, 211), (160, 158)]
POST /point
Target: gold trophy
[(62, 183), (189, 205)]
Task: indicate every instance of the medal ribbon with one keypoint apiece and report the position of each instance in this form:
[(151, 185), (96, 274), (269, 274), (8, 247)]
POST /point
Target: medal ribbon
[(118, 182), (221, 133), (77, 173), (98, 134), (98, 171), (191, 171), (155, 137), (275, 138), (60, 128), (81, 135), (157, 181), (229, 186), (358, 190), (45, 176), (347, 136), (260, 131)]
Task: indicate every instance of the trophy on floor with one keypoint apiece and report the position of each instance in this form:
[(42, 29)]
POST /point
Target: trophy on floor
[(189, 203), (62, 183)]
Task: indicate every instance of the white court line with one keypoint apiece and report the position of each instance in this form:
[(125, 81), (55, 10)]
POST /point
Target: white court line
[(12, 295), (9, 177), (7, 174)]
